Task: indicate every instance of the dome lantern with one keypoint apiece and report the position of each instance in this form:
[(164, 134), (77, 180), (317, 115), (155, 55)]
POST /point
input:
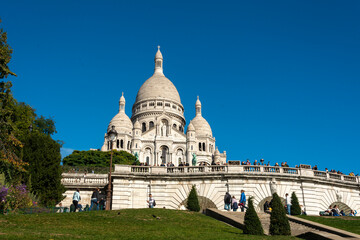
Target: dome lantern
[(198, 106), (158, 62), (122, 103)]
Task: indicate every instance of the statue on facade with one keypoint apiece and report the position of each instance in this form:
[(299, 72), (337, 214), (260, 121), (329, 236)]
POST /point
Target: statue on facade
[(163, 130), (273, 186), (194, 160), (137, 162)]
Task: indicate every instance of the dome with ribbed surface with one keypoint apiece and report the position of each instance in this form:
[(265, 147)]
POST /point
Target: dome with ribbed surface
[(122, 123), (191, 127), (202, 127), (158, 86)]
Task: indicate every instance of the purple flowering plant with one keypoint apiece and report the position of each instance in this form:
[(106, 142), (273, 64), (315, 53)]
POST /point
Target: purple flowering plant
[(14, 197)]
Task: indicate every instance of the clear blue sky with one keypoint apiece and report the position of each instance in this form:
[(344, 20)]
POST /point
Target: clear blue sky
[(278, 80)]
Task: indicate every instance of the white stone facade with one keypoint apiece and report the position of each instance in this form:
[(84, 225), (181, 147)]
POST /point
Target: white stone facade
[(156, 129), (315, 190)]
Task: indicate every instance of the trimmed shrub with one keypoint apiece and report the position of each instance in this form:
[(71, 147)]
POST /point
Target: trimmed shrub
[(252, 221), (295, 207), (193, 201), (279, 223)]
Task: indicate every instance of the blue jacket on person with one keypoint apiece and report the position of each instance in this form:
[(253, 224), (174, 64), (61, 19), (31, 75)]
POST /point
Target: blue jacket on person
[(243, 198)]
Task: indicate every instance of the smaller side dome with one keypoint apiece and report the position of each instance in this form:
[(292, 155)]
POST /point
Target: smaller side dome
[(121, 121), (190, 127), (137, 124)]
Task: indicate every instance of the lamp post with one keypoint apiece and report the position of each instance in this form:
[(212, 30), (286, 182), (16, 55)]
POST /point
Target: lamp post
[(112, 134)]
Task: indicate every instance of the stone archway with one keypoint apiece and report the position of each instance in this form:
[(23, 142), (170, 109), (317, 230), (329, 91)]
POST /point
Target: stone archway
[(204, 203), (341, 206), (260, 206)]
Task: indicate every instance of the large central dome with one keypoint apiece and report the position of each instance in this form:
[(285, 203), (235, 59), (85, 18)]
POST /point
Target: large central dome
[(158, 86)]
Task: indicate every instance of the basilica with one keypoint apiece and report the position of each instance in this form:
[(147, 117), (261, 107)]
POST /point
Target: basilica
[(155, 132)]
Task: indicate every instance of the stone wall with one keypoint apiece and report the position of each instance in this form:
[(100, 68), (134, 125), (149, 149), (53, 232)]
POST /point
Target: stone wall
[(170, 187)]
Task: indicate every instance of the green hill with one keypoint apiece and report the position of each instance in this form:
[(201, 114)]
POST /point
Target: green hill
[(124, 224)]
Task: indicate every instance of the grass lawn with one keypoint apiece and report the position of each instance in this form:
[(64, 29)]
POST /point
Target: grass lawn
[(122, 224), (351, 224)]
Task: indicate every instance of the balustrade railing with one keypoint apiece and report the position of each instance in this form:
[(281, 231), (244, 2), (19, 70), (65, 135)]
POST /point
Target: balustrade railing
[(350, 178), (320, 174), (335, 176), (102, 179), (290, 170), (252, 168), (268, 169), (140, 169), (84, 179)]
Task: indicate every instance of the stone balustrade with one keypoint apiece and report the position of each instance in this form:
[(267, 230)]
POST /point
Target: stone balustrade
[(233, 169), (80, 179)]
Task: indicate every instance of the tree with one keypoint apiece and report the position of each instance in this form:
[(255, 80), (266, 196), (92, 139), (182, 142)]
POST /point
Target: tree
[(98, 158), (43, 155), (295, 207), (252, 221), (5, 55), (193, 201), (9, 143), (279, 223)]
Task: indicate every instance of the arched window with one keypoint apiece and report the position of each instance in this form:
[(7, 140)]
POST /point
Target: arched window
[(128, 145), (143, 127), (108, 145), (151, 125), (180, 128), (204, 149), (199, 146), (121, 144), (174, 126), (117, 143)]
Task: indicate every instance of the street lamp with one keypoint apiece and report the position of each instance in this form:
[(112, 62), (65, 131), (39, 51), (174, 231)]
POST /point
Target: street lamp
[(112, 134)]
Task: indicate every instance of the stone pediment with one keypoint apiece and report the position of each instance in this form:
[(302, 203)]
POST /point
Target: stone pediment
[(149, 134)]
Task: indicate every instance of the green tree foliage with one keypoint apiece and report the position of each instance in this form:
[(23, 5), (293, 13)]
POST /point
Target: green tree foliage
[(98, 158), (10, 145), (193, 201), (45, 125), (252, 221), (295, 207), (279, 223), (43, 155), (5, 55)]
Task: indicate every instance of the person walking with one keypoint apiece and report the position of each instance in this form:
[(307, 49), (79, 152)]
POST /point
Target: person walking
[(151, 201), (235, 205), (95, 199), (76, 198), (288, 203), (242, 200), (227, 201)]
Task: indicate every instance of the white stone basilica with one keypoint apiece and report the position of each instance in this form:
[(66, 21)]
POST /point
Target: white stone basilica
[(156, 129)]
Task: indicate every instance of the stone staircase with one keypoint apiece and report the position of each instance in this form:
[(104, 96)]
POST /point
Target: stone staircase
[(300, 228)]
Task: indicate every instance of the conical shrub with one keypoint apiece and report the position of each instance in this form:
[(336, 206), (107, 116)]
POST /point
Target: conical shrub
[(295, 207), (252, 221), (193, 201), (279, 223)]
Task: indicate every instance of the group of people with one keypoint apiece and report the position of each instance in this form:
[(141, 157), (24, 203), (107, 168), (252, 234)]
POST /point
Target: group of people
[(97, 202), (336, 212), (232, 203)]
